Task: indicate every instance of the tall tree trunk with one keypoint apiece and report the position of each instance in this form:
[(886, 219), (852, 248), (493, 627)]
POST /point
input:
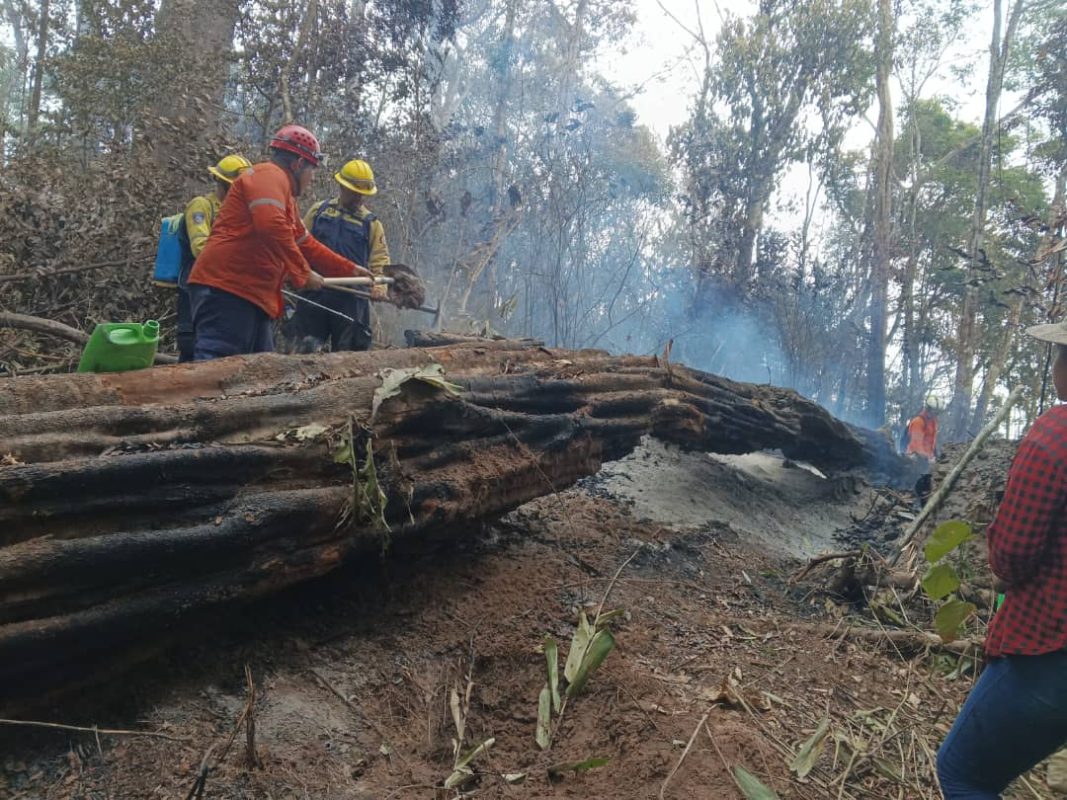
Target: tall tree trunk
[(750, 228), (38, 73), (202, 32), (500, 107), (997, 359), (497, 226), (307, 22), (881, 222), (967, 335), (911, 347)]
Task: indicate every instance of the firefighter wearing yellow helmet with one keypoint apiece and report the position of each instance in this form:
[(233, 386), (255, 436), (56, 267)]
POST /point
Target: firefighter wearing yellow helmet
[(196, 226), (348, 227)]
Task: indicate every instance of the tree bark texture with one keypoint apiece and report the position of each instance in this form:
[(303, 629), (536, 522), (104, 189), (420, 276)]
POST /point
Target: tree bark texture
[(131, 503), (198, 35), (38, 71), (881, 205)]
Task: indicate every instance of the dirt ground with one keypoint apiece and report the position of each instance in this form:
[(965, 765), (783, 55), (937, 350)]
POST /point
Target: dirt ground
[(720, 662)]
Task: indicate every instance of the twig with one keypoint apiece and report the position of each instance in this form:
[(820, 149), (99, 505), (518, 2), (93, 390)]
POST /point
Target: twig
[(637, 704), (611, 585), (9, 319), (688, 747), (1030, 786), (250, 721), (93, 730), (197, 790), (722, 758)]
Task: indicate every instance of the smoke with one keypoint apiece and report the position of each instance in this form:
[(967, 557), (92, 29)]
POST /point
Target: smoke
[(720, 337), (788, 337)]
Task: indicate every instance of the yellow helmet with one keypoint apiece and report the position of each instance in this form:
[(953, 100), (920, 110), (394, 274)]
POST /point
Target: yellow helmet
[(357, 176), (230, 167)]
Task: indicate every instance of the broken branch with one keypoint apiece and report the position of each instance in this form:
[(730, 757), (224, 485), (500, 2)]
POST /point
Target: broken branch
[(25, 723)]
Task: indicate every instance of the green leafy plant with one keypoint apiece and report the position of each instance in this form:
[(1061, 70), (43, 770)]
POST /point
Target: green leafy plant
[(751, 787), (810, 750), (590, 645), (459, 703), (942, 581)]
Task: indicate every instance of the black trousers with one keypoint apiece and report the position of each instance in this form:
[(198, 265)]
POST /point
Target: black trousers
[(228, 325), (185, 335), (310, 328)]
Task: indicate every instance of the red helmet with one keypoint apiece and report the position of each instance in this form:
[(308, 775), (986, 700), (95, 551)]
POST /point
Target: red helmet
[(301, 141)]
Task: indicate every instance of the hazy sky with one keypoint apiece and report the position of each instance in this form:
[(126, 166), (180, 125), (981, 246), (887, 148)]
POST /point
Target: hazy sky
[(661, 61), (660, 57)]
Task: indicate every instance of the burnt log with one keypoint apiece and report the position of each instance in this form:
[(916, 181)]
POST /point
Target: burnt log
[(134, 502)]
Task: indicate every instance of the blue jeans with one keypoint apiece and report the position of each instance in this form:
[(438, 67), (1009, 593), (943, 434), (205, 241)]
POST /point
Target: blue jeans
[(1015, 717), (227, 325)]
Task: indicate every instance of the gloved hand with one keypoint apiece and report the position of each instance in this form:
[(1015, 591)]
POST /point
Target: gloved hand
[(380, 291)]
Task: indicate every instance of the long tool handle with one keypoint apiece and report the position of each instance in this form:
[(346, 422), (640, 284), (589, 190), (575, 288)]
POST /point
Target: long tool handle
[(376, 281), (301, 299)]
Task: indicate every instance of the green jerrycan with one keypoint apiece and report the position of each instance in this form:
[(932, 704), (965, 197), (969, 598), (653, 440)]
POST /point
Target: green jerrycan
[(120, 346)]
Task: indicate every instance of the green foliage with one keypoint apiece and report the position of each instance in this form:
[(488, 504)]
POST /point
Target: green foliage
[(946, 538), (950, 617), (552, 659), (590, 645), (595, 652), (810, 750), (462, 773), (544, 719), (941, 580), (790, 60), (751, 787), (368, 502)]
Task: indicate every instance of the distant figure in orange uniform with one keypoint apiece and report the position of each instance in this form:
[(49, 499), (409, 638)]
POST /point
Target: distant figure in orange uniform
[(922, 431), (921, 444)]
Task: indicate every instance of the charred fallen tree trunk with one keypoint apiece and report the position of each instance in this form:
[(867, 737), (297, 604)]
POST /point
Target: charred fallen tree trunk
[(131, 502)]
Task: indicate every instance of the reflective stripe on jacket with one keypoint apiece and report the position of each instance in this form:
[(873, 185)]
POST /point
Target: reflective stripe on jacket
[(259, 242)]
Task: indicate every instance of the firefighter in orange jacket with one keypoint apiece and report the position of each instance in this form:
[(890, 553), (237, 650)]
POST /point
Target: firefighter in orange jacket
[(922, 431), (921, 446), (259, 243)]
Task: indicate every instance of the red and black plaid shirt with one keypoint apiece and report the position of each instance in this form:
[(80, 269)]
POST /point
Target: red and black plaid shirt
[(1028, 544)]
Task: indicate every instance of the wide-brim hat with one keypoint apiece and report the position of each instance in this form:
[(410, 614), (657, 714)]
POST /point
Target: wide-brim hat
[(1055, 332)]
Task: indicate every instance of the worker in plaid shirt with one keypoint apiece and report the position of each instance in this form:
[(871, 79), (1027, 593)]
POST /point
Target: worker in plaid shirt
[(1016, 715)]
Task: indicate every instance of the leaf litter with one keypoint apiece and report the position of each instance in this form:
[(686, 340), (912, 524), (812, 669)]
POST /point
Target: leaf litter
[(443, 654)]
